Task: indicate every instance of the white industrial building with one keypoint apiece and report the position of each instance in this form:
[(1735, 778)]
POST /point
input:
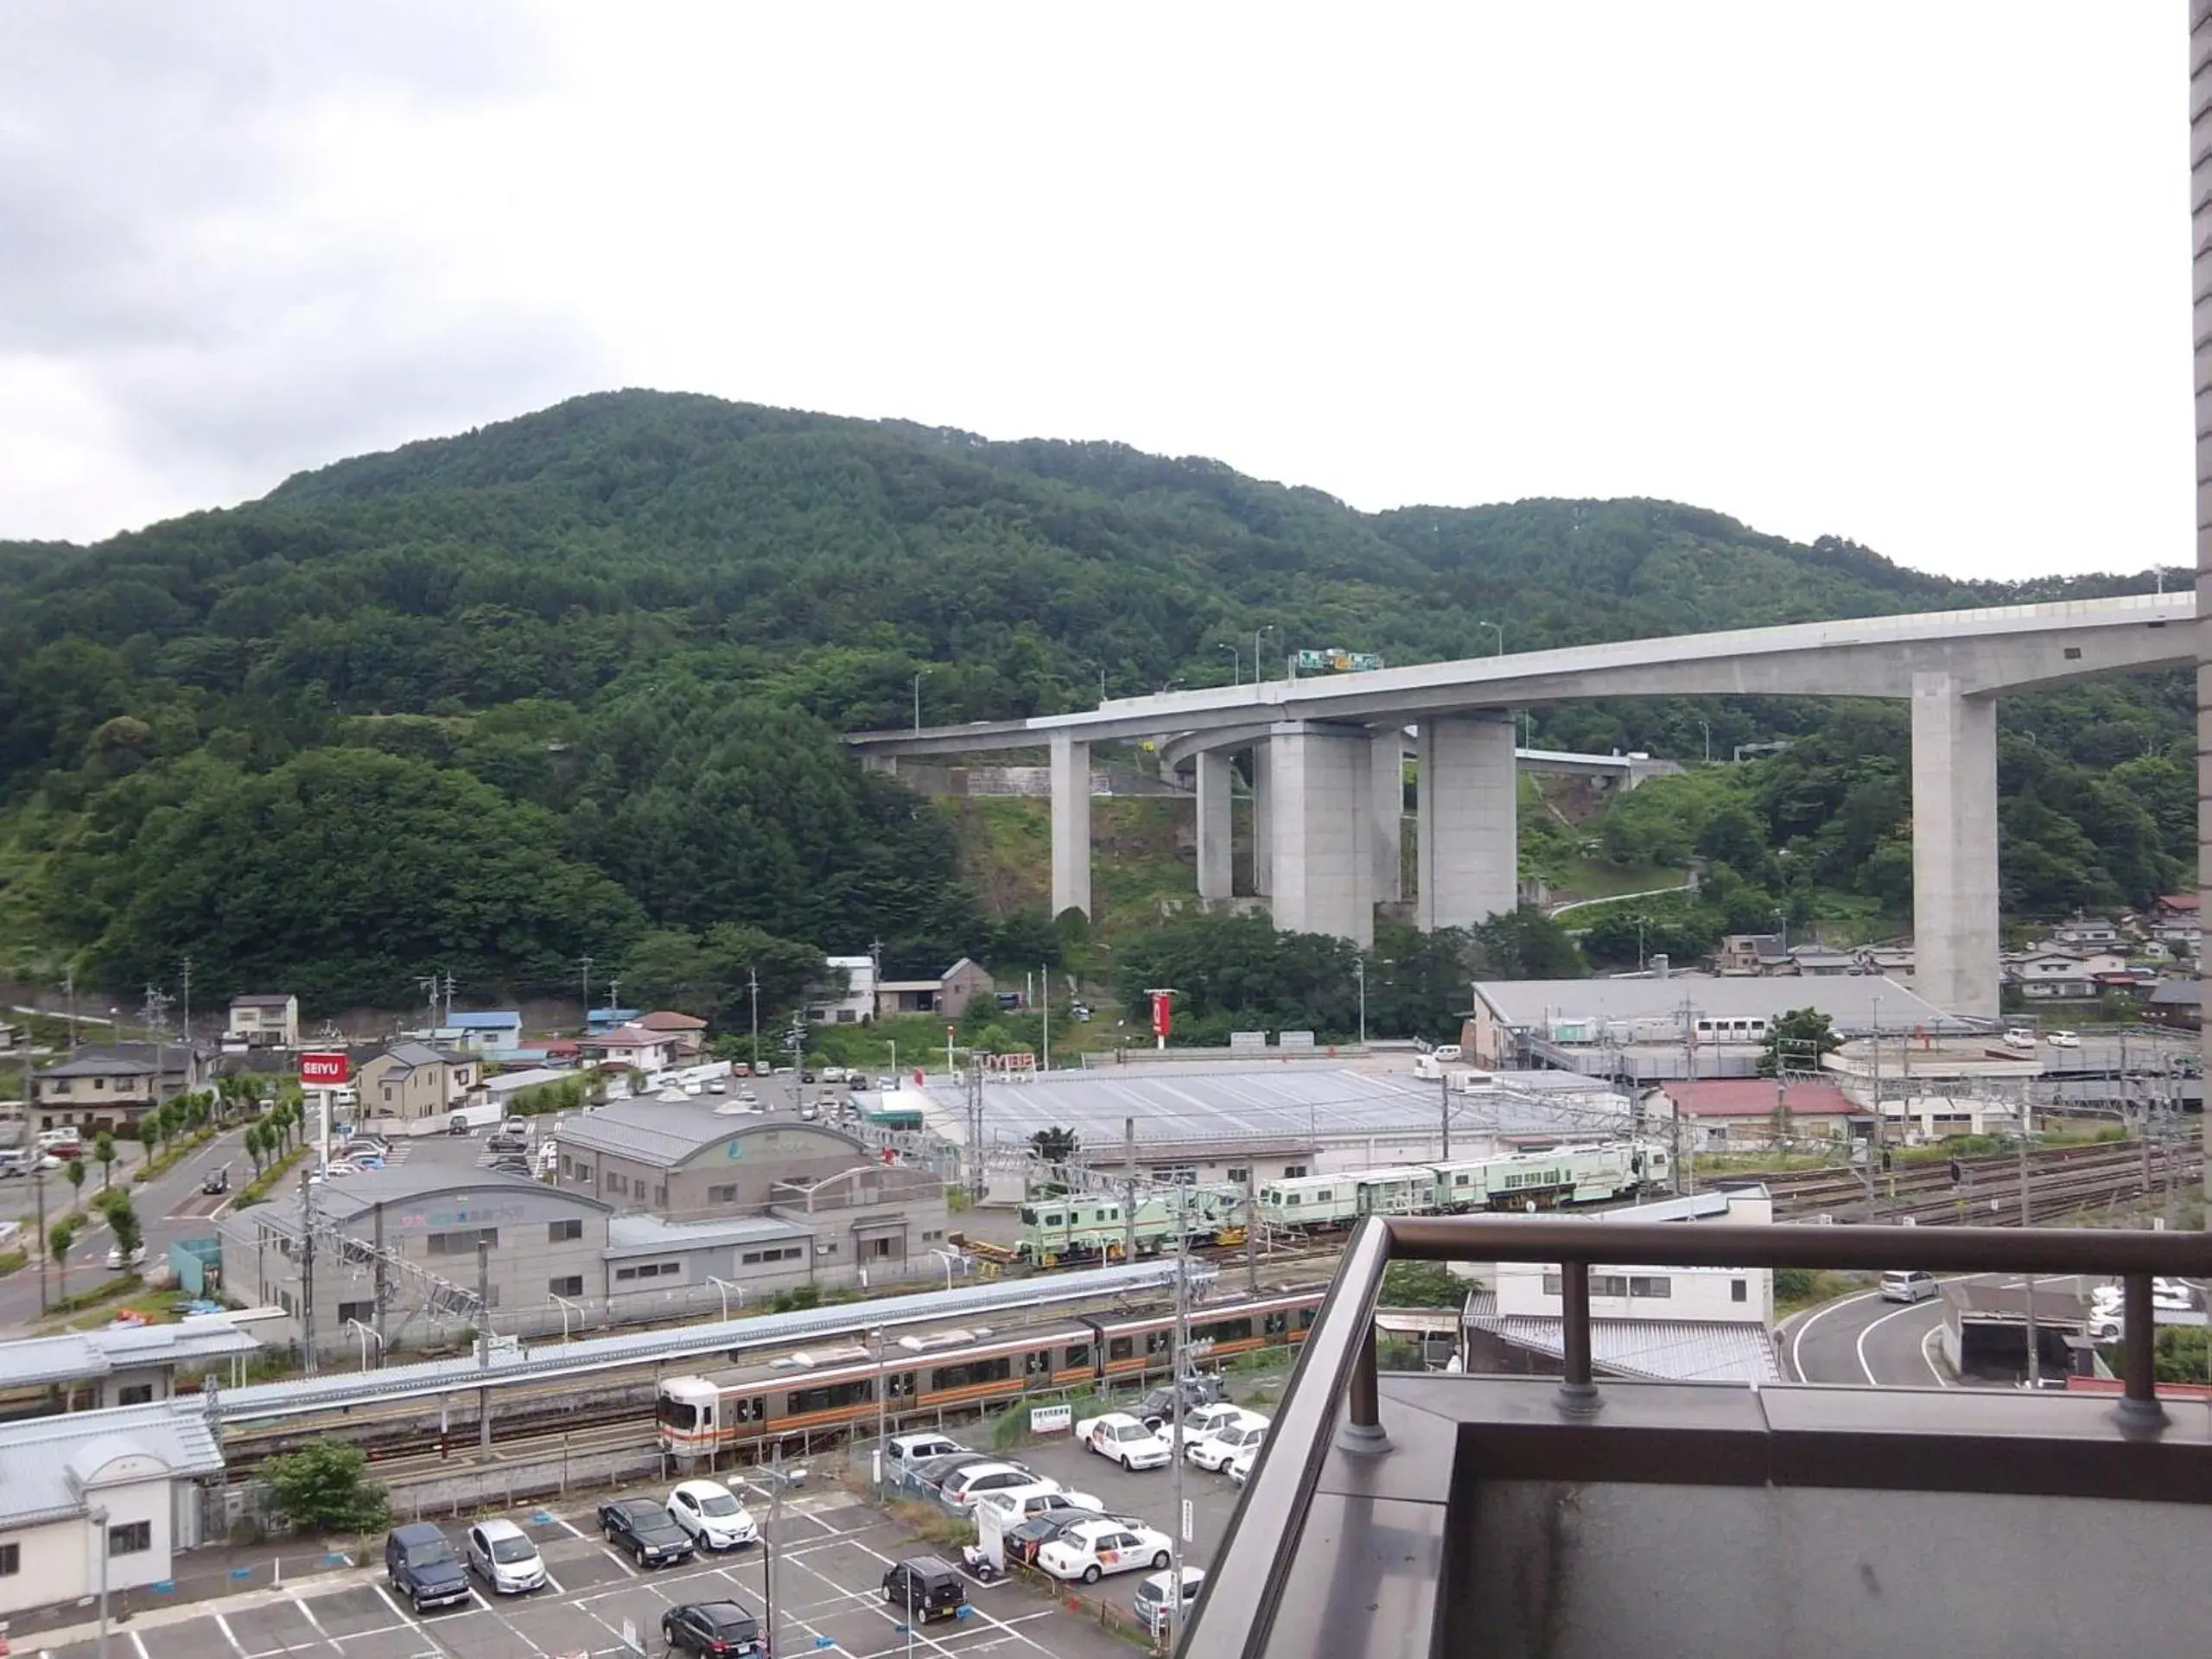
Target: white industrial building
[(1674, 1323)]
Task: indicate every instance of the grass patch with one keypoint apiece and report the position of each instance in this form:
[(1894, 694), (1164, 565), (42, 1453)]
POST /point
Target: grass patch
[(259, 1188), (13, 1261), (1797, 1289)]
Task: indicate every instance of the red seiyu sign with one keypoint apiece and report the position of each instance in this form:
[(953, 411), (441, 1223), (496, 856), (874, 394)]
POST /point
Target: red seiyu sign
[(324, 1070), (1161, 1019)]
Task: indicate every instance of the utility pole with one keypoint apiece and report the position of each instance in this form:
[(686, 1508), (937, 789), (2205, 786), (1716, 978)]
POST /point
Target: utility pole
[(1046, 977), (2027, 1220), (752, 985), (1252, 1231), (586, 962), (448, 1019), (1175, 1539), (38, 1180), (187, 1012), (68, 990), (1359, 973), (979, 1181), (1443, 1114), (1129, 1193), (307, 1225)]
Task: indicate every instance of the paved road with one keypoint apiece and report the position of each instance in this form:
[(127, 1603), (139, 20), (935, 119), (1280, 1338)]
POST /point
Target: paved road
[(170, 1207), (1863, 1341)]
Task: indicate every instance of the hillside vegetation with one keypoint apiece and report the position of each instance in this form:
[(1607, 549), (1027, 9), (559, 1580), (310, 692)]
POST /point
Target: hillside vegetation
[(572, 684)]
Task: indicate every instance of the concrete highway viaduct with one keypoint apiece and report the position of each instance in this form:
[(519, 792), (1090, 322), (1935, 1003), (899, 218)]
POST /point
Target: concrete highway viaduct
[(1327, 778)]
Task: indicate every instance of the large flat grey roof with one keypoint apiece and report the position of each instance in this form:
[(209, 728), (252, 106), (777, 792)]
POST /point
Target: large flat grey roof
[(666, 1132), (648, 1235), (1214, 1102), (1848, 1000)]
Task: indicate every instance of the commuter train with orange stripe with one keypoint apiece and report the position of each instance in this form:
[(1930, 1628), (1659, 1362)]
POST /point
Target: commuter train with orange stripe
[(929, 1373)]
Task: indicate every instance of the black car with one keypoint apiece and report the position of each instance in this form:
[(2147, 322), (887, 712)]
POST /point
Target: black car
[(925, 1588), (714, 1627), (644, 1527), (217, 1180), (1158, 1406), (421, 1564)]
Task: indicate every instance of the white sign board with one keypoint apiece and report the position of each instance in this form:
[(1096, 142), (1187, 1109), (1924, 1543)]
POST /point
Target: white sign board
[(1186, 1520), (1048, 1419)]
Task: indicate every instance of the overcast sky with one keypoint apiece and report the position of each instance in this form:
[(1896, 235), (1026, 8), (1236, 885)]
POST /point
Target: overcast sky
[(1912, 273)]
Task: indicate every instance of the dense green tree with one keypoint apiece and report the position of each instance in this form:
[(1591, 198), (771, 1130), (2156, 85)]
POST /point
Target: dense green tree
[(325, 1487), (710, 974), (1525, 944), (1795, 1042)]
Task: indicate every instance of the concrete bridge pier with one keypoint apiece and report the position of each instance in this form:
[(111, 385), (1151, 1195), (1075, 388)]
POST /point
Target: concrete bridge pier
[(1263, 822), (1215, 771), (1322, 825), (1386, 770), (1954, 928), (1469, 851), (1071, 824)]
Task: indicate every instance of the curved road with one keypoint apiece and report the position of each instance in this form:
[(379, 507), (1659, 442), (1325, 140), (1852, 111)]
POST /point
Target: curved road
[(1865, 1342)]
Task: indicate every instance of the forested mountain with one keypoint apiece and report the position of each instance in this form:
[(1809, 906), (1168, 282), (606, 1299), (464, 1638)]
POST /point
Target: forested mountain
[(495, 701)]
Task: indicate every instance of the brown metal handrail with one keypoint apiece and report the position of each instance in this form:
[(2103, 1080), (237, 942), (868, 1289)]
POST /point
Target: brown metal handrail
[(1338, 1359)]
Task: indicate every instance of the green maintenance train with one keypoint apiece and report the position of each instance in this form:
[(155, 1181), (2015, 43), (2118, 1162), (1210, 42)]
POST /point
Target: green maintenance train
[(1514, 1181), (1091, 1227)]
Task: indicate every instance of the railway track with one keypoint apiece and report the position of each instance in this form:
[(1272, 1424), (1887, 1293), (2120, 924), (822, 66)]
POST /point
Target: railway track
[(1802, 1192)]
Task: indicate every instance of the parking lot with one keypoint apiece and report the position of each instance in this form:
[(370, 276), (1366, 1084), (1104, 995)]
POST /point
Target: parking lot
[(829, 1564), (1148, 1494)]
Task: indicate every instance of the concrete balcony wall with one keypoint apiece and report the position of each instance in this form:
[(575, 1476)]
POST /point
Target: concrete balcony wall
[(1584, 1571)]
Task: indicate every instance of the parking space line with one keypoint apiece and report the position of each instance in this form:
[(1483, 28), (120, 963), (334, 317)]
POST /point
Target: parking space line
[(615, 1556), (230, 1636), (307, 1613), (138, 1642), (410, 1621)]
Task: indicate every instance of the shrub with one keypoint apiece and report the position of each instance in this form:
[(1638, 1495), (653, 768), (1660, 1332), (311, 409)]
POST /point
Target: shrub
[(324, 1487)]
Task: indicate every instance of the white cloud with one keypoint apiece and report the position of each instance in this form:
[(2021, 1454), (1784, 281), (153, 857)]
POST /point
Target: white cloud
[(1911, 275)]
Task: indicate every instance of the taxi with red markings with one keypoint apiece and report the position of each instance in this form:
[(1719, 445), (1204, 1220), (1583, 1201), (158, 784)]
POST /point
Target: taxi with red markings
[(1091, 1549)]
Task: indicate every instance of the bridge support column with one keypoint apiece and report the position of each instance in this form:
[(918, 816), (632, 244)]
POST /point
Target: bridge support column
[(1387, 768), (1071, 824), (1263, 825), (1469, 851), (886, 764), (1322, 824), (1215, 772), (1954, 929)]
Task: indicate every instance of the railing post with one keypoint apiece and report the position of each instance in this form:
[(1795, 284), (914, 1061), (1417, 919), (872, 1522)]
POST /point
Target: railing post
[(2139, 1406), (1362, 1430), (1578, 1394)]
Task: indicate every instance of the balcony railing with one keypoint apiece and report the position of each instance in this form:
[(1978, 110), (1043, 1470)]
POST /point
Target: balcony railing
[(1333, 1420)]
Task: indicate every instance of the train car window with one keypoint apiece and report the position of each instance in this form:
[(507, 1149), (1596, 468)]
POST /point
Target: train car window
[(902, 1386), (1078, 1353), (828, 1397), (1230, 1329), (1121, 1348), (949, 1377), (1038, 1363), (1277, 1324), (678, 1414), (1158, 1342), (1305, 1318)]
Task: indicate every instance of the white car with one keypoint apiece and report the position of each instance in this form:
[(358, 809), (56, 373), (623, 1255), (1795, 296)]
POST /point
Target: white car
[(1240, 1467), (1015, 1504), (1204, 1422), (1094, 1548), (1216, 1453), (502, 1554), (1126, 1439), (2019, 1037), (710, 1511), (2062, 1039), (908, 1451), (1154, 1602), (117, 1259), (968, 1484)]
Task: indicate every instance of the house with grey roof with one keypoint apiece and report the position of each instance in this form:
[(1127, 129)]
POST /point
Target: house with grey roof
[(110, 1085), (110, 1497), (413, 1083), (263, 1020), (123, 1364)]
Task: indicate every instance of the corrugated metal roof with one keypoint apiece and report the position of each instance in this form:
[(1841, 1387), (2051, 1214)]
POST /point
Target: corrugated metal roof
[(554, 1359), (664, 1133), (78, 1355), (1848, 1000), (44, 1461), (1666, 1350)]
